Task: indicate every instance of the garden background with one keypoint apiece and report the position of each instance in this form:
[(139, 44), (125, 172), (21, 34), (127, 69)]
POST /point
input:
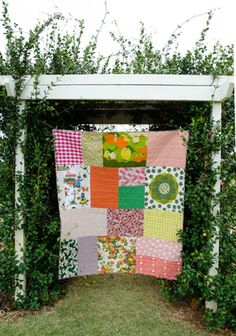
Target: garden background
[(64, 53)]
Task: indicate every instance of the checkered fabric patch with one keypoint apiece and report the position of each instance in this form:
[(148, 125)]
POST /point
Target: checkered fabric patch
[(68, 149), (162, 224)]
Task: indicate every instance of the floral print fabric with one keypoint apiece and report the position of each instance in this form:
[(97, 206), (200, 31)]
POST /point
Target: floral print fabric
[(124, 222), (116, 254), (68, 266), (121, 149), (164, 188)]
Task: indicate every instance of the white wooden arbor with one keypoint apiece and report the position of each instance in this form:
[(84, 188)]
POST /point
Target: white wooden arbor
[(189, 88)]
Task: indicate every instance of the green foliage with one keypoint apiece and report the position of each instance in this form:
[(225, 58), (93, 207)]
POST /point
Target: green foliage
[(66, 54)]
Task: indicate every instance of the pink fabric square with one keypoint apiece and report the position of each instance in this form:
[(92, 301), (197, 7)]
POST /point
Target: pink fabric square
[(163, 249), (68, 150), (158, 267), (167, 148), (125, 222), (131, 176)]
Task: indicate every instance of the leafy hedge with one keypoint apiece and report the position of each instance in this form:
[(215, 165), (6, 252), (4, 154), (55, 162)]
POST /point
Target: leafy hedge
[(65, 54)]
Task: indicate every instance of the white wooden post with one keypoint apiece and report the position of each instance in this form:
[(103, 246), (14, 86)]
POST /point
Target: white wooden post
[(216, 119), (19, 233)]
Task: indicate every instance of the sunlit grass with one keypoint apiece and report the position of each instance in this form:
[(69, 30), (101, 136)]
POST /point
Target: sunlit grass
[(120, 305)]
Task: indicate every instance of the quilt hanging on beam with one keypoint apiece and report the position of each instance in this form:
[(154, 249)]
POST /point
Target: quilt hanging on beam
[(121, 201)]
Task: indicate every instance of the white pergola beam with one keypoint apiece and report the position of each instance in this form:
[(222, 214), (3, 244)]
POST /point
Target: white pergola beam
[(127, 87), (124, 87), (224, 91), (124, 92), (9, 84), (131, 79)]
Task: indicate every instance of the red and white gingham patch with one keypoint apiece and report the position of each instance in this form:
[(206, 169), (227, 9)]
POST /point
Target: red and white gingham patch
[(68, 148)]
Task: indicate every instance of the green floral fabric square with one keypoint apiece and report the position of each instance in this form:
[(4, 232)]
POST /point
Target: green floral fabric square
[(68, 258), (121, 149), (164, 188)]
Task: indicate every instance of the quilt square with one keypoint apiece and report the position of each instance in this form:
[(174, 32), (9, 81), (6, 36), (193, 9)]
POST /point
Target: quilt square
[(67, 146), (83, 222), (164, 188), (116, 254), (131, 176), (60, 185), (123, 222), (87, 255), (76, 187), (164, 249), (104, 187), (162, 224), (68, 258), (131, 197), (92, 149), (122, 149), (167, 148), (158, 267)]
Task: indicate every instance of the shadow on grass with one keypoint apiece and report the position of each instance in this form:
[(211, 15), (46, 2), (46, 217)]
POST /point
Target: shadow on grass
[(119, 304)]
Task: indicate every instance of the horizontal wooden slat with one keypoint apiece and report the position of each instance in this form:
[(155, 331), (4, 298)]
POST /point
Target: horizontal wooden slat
[(112, 92), (125, 87), (124, 79)]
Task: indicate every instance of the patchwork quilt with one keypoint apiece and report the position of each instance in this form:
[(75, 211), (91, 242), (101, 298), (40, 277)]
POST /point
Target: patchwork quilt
[(121, 201)]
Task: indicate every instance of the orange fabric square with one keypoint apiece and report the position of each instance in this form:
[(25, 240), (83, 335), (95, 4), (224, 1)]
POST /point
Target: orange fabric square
[(104, 187)]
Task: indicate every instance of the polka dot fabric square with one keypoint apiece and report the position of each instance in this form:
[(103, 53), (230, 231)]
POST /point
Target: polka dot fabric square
[(164, 249)]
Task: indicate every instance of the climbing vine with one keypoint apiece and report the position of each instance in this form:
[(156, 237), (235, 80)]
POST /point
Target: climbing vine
[(67, 54)]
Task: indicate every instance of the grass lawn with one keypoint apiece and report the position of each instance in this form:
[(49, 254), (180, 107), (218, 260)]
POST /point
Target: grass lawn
[(120, 305)]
